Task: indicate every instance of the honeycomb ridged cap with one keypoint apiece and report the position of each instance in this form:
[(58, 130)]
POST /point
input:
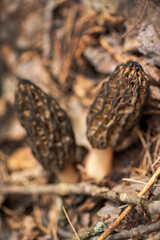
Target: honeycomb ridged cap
[(48, 127), (118, 106)]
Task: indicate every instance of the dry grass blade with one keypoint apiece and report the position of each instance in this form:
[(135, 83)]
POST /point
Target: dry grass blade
[(138, 20), (147, 155), (148, 185), (106, 46), (76, 234)]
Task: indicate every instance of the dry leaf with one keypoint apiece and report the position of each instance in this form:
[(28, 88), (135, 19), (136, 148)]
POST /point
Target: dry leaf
[(21, 159)]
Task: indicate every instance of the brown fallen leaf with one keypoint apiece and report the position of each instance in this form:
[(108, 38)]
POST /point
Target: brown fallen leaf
[(21, 159)]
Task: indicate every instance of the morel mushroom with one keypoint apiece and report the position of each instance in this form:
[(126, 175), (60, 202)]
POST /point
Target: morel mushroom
[(113, 115), (49, 130)]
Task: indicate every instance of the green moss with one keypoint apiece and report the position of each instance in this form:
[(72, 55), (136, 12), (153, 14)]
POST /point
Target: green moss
[(99, 227)]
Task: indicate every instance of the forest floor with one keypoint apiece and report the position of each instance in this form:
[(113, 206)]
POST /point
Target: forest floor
[(67, 47)]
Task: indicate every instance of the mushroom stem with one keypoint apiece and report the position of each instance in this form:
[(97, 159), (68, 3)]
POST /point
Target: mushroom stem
[(98, 163), (69, 175)]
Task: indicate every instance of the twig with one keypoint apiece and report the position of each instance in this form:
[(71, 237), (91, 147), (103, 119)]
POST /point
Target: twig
[(139, 231), (157, 160), (148, 185), (63, 189), (156, 153), (38, 217), (53, 215), (138, 20), (133, 180), (47, 44), (76, 235), (106, 46), (136, 181), (147, 153), (79, 188)]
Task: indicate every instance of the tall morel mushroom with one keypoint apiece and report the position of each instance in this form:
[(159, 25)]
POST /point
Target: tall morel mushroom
[(49, 130), (113, 115)]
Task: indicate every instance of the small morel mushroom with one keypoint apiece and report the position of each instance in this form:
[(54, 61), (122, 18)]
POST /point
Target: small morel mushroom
[(49, 130), (113, 115)]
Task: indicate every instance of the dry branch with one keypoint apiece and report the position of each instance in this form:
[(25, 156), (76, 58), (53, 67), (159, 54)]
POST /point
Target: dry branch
[(70, 223), (63, 189), (139, 231), (148, 185), (79, 188)]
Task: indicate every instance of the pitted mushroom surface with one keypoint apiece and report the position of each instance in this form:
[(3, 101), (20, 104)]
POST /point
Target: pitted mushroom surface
[(118, 106), (48, 127), (113, 115)]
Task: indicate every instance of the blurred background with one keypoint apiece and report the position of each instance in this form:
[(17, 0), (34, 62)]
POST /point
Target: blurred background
[(67, 47)]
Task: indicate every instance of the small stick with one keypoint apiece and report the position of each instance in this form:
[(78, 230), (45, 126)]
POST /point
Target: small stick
[(64, 210), (136, 181), (147, 153), (138, 20), (139, 231), (148, 185), (64, 189), (79, 188), (106, 46)]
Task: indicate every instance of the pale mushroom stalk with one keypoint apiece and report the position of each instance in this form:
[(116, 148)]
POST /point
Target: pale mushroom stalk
[(98, 163), (48, 129), (113, 115), (69, 175)]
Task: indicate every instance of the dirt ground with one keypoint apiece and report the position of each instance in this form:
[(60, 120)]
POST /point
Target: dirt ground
[(67, 48)]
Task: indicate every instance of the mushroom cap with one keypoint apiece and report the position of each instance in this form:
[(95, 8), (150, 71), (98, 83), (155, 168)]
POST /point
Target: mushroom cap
[(48, 127), (118, 106)]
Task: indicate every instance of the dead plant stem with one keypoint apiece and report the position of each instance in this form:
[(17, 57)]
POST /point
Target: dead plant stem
[(148, 185)]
